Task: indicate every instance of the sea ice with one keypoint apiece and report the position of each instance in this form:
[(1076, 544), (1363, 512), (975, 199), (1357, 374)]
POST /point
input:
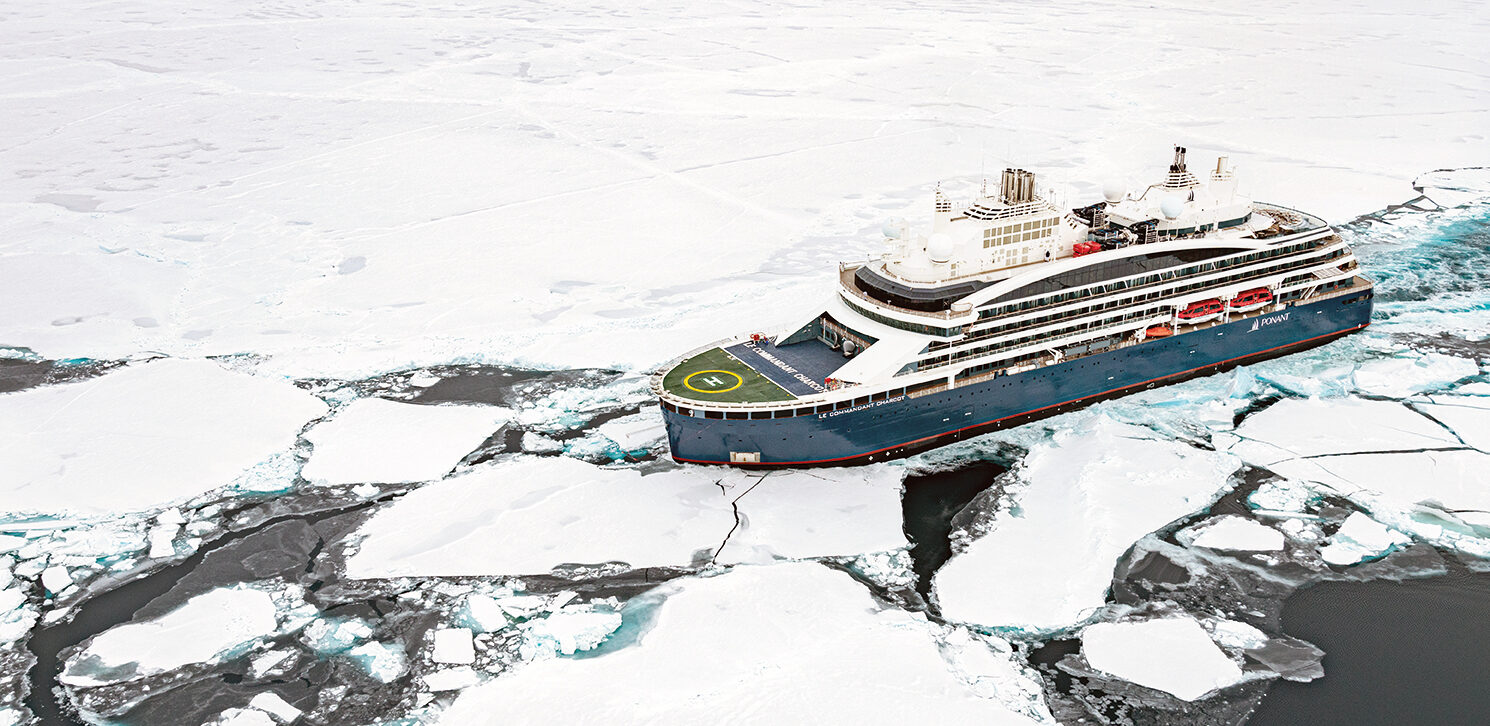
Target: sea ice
[(568, 630), (1403, 376), (1301, 428), (276, 706), (451, 679), (1173, 654), (733, 644), (242, 717), (377, 440), (200, 630), (529, 515), (298, 210), (1084, 498), (143, 436), (1236, 534), (383, 661), (1234, 634), (638, 431), (1359, 539), (1467, 416), (453, 645), (1407, 471)]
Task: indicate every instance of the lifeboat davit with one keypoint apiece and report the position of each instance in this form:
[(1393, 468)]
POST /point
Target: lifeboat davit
[(1201, 311), (1251, 299), (1158, 331)]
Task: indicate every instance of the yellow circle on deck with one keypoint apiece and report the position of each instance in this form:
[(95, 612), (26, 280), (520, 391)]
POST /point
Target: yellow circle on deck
[(714, 380)]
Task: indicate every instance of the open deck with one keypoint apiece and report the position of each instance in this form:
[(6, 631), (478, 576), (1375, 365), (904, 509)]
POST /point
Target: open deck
[(753, 372)]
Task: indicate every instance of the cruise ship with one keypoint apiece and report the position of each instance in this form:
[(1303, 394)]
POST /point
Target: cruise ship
[(1013, 308)]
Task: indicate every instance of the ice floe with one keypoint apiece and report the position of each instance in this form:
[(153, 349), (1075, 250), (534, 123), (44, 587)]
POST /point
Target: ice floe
[(202, 629), (1406, 470), (143, 436), (1402, 376), (568, 630), (377, 440), (453, 645), (783, 643), (1467, 416), (1045, 561), (276, 706), (529, 515), (1237, 534), (1361, 538), (1172, 654)]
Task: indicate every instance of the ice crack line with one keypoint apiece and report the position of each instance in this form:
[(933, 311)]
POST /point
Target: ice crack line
[(735, 505)]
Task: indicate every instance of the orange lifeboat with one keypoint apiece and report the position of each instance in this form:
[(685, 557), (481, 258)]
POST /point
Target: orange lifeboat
[(1158, 331), (1251, 299), (1201, 311)]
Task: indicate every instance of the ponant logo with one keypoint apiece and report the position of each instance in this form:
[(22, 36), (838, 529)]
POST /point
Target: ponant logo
[(1264, 322)]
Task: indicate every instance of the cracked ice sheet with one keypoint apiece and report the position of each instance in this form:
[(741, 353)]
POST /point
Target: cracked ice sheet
[(143, 436), (787, 643), (376, 195), (1174, 655), (1083, 499), (1409, 472), (527, 515), (377, 440)]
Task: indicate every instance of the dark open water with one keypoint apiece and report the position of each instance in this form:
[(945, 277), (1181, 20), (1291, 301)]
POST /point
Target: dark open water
[(1396, 653)]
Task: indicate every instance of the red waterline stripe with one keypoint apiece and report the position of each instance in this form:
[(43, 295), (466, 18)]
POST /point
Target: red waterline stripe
[(1026, 413)]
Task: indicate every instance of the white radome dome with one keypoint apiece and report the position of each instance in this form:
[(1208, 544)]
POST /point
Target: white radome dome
[(1172, 207), (1114, 192), (939, 248)]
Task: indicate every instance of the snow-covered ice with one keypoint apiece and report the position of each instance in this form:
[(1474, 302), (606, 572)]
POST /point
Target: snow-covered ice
[(143, 436), (242, 717), (1237, 534), (209, 181), (1467, 416), (275, 705), (383, 661), (200, 630), (793, 642), (1402, 376), (1082, 501), (1172, 654), (1359, 539), (529, 515), (453, 645), (1295, 429), (377, 440), (638, 431)]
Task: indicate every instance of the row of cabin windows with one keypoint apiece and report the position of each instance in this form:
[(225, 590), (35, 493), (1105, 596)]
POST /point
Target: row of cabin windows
[(1162, 276), (892, 322), (1120, 302), (1050, 335)]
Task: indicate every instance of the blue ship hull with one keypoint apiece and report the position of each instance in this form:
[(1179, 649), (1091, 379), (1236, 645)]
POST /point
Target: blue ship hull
[(902, 426)]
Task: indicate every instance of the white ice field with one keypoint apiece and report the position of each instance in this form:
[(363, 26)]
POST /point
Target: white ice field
[(306, 190)]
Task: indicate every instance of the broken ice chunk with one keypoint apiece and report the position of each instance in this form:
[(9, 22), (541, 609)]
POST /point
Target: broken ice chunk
[(451, 679), (485, 614), (335, 635), (453, 645), (56, 580), (1174, 655), (638, 431), (162, 541), (377, 440), (1237, 534), (1234, 634), (568, 630), (1359, 539), (271, 703), (242, 717), (383, 661)]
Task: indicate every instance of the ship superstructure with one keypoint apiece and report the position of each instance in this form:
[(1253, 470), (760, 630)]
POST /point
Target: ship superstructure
[(1012, 308)]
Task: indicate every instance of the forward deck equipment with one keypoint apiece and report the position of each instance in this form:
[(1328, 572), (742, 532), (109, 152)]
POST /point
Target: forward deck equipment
[(1012, 309)]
